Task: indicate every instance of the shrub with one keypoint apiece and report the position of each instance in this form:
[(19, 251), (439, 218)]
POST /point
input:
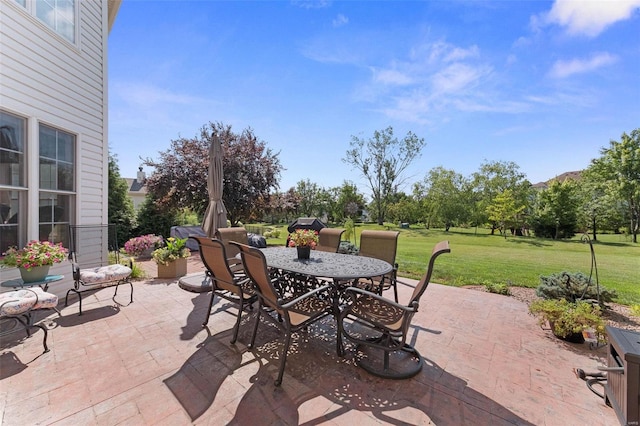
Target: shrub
[(498, 288), (566, 318), (271, 233), (635, 310), (572, 287), (347, 248)]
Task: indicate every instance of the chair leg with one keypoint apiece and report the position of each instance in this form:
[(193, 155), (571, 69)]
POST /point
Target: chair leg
[(79, 299), (395, 290), (283, 360), (255, 327), (237, 326), (206, 321)]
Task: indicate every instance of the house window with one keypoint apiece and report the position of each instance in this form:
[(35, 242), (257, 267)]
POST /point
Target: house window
[(57, 183), (59, 15), (12, 181)]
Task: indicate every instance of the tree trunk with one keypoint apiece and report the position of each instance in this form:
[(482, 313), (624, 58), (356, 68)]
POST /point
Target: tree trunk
[(593, 226)]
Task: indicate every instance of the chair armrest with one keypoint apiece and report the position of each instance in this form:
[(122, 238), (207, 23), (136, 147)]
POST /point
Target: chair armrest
[(306, 295), (380, 298)]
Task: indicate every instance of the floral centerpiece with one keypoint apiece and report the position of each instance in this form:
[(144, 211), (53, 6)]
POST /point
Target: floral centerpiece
[(304, 240), (34, 254), (173, 249), (138, 245)]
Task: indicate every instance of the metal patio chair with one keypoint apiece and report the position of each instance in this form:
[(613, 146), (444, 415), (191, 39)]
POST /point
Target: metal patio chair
[(293, 312), (381, 245), (329, 239), (224, 283), (386, 327)]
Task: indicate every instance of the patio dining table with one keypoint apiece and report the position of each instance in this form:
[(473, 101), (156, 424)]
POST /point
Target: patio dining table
[(337, 266)]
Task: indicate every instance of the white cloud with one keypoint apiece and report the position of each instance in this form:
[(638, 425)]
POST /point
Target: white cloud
[(563, 69), (391, 77), (588, 18), (311, 4), (340, 20)]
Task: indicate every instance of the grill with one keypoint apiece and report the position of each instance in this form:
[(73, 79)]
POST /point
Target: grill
[(622, 390)]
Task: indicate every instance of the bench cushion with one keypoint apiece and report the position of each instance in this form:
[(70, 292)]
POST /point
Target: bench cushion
[(104, 274)]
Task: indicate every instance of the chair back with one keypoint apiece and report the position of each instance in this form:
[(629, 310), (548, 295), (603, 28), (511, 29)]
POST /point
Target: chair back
[(90, 245), (438, 249), (329, 239), (214, 258), (255, 266), (237, 234), (379, 244)]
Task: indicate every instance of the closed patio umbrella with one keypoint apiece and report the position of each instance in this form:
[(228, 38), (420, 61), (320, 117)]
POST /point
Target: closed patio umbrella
[(216, 215)]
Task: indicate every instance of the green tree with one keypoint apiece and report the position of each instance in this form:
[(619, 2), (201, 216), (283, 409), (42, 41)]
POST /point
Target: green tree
[(617, 171), (155, 218), (382, 160), (505, 211), (120, 209), (556, 212), (251, 170), (311, 202), (444, 197), (494, 178), (349, 202)]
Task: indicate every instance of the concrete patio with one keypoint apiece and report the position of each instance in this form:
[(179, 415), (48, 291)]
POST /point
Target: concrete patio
[(152, 362)]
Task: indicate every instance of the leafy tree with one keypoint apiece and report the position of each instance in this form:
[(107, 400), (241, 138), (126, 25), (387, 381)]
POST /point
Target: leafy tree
[(444, 197), (494, 178), (617, 171), (120, 210), (349, 202), (556, 213), (382, 161), (504, 211), (154, 218), (311, 200), (406, 209), (251, 170)]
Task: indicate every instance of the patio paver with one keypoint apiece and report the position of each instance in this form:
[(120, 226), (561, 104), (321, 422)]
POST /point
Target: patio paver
[(151, 362)]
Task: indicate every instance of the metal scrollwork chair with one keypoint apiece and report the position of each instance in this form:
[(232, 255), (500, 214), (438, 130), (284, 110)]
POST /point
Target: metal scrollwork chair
[(224, 283), (381, 245), (236, 234), (383, 325), (293, 312)]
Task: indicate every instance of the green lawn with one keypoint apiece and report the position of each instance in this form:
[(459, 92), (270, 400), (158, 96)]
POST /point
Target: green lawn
[(480, 258)]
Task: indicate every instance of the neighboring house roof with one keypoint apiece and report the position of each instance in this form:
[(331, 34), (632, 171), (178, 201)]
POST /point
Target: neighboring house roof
[(113, 6), (136, 186), (575, 175)]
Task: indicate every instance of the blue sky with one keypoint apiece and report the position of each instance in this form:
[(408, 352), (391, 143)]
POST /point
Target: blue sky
[(543, 84)]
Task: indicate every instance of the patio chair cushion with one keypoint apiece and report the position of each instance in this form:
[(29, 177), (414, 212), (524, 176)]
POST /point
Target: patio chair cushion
[(17, 302), (45, 300), (104, 274)]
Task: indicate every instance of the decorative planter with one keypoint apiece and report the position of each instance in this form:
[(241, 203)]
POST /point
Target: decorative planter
[(37, 273), (145, 255), (175, 269), (304, 252)]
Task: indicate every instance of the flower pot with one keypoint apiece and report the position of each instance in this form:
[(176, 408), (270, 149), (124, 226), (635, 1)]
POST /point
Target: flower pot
[(304, 252), (175, 269), (37, 273)]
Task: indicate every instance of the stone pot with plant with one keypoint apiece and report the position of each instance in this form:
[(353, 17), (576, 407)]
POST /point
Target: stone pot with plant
[(568, 320), (171, 258)]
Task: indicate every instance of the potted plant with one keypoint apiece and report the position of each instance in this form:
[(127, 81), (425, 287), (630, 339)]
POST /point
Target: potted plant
[(304, 240), (172, 258), (568, 320), (34, 259), (142, 246)]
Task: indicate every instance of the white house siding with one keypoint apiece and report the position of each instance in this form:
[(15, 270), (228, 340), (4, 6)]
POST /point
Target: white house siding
[(46, 79)]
